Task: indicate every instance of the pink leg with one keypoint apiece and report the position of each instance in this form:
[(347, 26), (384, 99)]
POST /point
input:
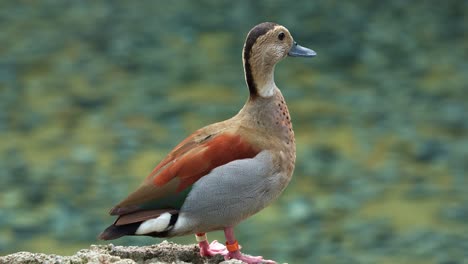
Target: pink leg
[(234, 250), (209, 250)]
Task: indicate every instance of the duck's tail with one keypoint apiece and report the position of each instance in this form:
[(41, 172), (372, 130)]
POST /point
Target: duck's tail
[(150, 223)]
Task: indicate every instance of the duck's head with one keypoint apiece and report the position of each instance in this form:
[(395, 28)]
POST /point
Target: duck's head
[(266, 44)]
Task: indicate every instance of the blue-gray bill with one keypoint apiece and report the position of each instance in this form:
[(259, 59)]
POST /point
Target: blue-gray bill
[(299, 51)]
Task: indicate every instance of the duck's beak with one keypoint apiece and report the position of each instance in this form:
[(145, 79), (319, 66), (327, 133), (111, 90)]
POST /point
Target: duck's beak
[(299, 51)]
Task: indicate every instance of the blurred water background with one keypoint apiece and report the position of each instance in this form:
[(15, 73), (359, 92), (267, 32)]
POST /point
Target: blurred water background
[(94, 93)]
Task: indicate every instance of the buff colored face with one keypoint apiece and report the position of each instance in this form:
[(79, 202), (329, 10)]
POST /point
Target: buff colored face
[(274, 45)]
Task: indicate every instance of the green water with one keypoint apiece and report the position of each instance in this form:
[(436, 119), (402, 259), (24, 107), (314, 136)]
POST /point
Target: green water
[(94, 93)]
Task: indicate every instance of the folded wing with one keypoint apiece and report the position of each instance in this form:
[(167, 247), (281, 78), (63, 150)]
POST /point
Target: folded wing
[(167, 186)]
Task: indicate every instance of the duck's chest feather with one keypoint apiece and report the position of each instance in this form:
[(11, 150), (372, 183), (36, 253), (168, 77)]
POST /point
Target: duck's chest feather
[(268, 125)]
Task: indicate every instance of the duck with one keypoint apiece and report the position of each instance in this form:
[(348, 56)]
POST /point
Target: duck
[(225, 172)]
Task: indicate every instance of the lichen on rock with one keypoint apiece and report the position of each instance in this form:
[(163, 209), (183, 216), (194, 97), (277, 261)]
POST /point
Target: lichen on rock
[(165, 252)]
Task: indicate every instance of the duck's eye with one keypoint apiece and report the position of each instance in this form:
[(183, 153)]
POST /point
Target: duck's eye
[(281, 36)]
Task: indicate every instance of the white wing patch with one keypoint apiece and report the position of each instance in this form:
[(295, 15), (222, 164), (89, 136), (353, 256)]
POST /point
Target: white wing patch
[(159, 224)]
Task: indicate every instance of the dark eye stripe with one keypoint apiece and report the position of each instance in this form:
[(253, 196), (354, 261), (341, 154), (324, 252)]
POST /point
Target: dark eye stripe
[(254, 34)]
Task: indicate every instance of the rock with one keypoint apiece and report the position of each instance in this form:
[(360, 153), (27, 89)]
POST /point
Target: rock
[(165, 252)]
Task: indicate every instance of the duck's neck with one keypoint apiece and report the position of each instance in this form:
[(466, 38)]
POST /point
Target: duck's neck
[(259, 75)]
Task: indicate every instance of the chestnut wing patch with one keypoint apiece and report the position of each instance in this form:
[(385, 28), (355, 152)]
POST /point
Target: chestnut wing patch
[(200, 159), (167, 186)]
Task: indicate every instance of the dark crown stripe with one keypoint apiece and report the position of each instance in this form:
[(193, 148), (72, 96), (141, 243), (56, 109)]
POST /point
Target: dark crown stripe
[(254, 34)]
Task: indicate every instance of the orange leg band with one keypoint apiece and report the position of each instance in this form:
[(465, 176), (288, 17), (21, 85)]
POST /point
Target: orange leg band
[(201, 237), (232, 247)]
